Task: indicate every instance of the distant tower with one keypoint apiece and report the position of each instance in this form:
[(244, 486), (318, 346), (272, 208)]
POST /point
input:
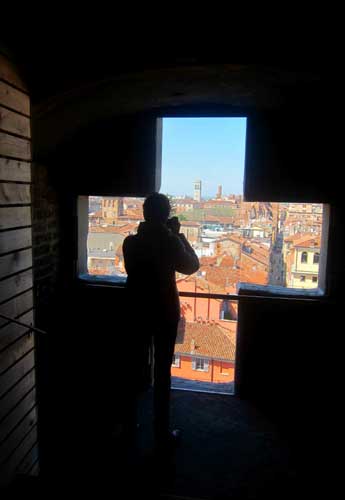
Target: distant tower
[(219, 193), (118, 207), (112, 208), (275, 220), (197, 190)]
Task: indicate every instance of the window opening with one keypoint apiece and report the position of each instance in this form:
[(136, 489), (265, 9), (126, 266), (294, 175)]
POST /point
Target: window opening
[(264, 244)]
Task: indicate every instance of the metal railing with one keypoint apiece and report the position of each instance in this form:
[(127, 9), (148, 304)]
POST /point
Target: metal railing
[(20, 323)]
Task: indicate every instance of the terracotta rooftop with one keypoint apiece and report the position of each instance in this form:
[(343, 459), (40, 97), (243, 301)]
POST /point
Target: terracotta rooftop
[(233, 237), (221, 276), (226, 261), (202, 285), (123, 229), (207, 261), (134, 216), (304, 240), (97, 214), (105, 229), (209, 340), (256, 277)]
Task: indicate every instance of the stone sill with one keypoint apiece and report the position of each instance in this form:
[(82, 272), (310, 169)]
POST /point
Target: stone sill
[(102, 279), (279, 291)]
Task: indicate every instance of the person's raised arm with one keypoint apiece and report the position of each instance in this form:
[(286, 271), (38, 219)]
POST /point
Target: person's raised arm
[(185, 259), (188, 261), (128, 256)]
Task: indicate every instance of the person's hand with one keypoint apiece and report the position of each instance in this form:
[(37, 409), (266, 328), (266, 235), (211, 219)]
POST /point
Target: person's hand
[(174, 225)]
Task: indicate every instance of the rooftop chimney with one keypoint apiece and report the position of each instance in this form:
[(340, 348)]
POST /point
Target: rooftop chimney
[(192, 346)]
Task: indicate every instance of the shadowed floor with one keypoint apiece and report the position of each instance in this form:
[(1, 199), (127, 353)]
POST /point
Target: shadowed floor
[(228, 450)]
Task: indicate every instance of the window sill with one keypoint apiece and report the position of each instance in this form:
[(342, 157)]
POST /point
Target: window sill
[(100, 279), (279, 291)]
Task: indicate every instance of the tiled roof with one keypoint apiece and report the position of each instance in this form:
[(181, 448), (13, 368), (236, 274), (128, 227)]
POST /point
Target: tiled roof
[(130, 212), (226, 220), (304, 240), (95, 214), (226, 261), (105, 229), (205, 340), (255, 258), (255, 277), (135, 216), (207, 261), (230, 329), (123, 229), (309, 242), (190, 223), (202, 285), (221, 276), (234, 238)]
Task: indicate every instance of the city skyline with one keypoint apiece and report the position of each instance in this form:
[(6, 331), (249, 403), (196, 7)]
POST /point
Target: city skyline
[(207, 149)]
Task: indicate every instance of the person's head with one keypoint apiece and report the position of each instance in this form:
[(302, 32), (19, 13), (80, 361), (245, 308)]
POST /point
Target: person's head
[(156, 208)]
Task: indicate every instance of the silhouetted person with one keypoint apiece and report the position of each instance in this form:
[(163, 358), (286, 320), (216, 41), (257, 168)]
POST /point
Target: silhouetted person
[(151, 258)]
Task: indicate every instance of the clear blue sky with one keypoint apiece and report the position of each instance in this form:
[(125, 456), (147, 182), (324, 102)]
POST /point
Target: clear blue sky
[(209, 149)]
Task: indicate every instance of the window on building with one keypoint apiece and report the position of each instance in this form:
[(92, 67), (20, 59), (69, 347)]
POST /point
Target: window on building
[(316, 258), (224, 369), (304, 257), (314, 279), (302, 278), (227, 311), (200, 364), (176, 361)]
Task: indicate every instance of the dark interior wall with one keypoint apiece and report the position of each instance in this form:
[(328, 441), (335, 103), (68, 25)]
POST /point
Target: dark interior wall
[(84, 385), (288, 156), (118, 156), (18, 389), (46, 238), (281, 345), (290, 368), (86, 391), (286, 359), (285, 364)]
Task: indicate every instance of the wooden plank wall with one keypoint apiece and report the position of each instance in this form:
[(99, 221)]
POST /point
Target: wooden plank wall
[(18, 417)]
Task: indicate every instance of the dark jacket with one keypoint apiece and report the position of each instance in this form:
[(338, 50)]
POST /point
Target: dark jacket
[(151, 258)]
